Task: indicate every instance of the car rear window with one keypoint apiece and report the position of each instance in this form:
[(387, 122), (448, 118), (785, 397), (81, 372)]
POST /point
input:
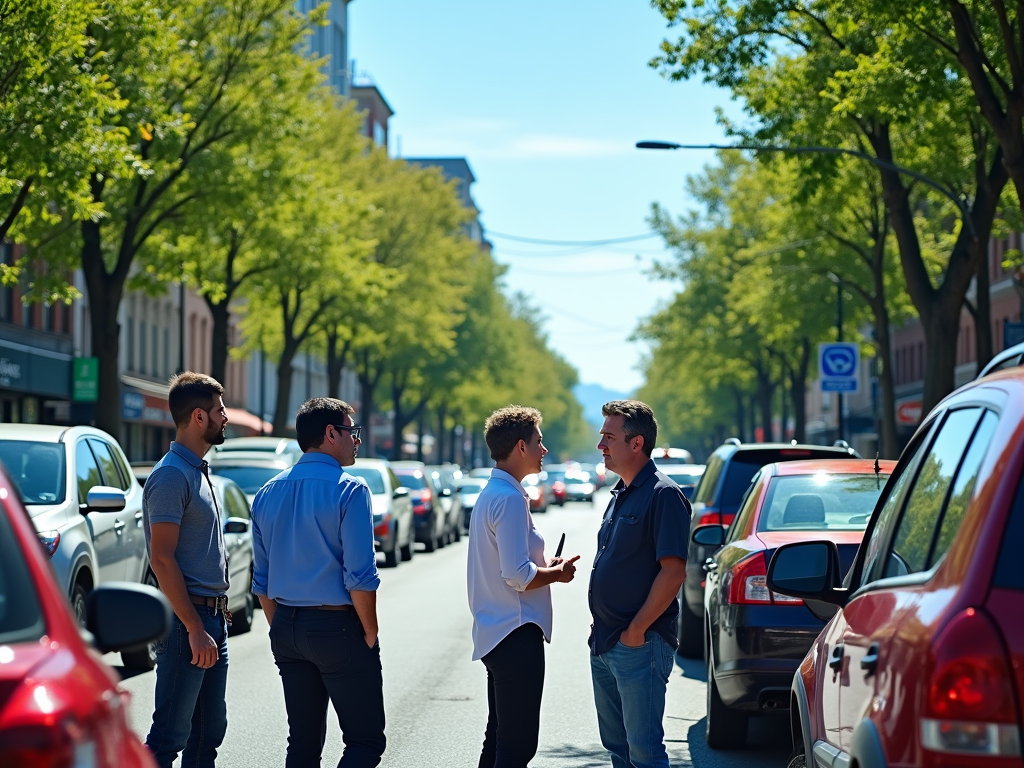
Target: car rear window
[(36, 468), (744, 465), (820, 502), (251, 479), (373, 478), (709, 480), (21, 619), (413, 480)]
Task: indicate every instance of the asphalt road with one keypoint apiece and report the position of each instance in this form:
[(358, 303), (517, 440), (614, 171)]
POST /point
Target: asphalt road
[(435, 696)]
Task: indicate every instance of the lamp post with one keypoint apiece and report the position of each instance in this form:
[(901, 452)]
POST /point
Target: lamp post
[(839, 337), (965, 212)]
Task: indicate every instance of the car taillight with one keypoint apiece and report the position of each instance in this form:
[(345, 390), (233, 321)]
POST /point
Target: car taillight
[(383, 528), (426, 496), (533, 492), (50, 541), (712, 515), (558, 486), (970, 707), (748, 584), (61, 745)]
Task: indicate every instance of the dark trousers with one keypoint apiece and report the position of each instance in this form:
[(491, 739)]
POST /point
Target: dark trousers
[(322, 656), (515, 682)]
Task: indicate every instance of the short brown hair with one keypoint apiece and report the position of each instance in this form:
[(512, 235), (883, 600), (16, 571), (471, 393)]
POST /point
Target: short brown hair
[(507, 426), (637, 419), (313, 418), (190, 390)]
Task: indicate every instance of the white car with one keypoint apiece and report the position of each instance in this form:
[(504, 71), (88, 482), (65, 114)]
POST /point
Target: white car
[(393, 531), (85, 504)]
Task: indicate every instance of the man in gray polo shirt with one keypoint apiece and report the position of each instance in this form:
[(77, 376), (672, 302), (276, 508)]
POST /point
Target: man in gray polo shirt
[(185, 539)]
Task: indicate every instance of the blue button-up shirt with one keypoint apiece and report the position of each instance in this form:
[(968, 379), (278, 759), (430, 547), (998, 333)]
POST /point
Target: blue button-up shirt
[(312, 535)]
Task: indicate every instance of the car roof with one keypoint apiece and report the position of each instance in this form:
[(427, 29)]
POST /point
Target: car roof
[(274, 444), (375, 463), (396, 465), (249, 460), (682, 469), (1015, 351), (832, 466), (45, 433)]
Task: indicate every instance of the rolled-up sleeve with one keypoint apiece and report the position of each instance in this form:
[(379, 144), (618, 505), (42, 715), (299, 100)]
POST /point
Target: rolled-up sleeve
[(360, 564), (512, 534)]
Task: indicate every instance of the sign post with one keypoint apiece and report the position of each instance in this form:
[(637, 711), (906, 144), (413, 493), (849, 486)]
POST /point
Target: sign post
[(839, 365)]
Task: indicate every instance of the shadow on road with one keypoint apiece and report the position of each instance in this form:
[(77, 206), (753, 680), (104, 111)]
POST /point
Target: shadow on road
[(767, 744), (129, 672), (576, 756), (695, 669)]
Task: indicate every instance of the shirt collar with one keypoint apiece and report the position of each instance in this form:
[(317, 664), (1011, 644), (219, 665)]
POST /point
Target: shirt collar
[(313, 457), (641, 477), (186, 454), (501, 474)]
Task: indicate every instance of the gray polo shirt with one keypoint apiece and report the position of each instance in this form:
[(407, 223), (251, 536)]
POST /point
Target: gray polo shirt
[(177, 491)]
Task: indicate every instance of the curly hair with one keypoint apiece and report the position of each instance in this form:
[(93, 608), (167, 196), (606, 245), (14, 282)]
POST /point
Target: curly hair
[(637, 419), (507, 426)]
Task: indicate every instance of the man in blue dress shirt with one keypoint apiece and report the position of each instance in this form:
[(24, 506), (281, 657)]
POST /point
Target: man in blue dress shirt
[(315, 574)]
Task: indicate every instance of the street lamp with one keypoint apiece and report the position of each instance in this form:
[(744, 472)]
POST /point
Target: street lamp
[(965, 212)]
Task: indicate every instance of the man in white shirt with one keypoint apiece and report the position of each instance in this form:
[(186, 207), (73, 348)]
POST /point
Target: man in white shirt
[(509, 589)]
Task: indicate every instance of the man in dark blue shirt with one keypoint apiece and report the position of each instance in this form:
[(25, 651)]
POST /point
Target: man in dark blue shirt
[(639, 568)]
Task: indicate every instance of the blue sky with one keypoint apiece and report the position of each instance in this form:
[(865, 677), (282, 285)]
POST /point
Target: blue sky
[(546, 100)]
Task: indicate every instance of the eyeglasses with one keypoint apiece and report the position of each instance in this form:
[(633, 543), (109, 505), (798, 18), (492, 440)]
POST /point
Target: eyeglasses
[(355, 430)]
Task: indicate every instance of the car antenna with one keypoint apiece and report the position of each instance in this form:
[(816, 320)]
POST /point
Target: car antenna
[(878, 471)]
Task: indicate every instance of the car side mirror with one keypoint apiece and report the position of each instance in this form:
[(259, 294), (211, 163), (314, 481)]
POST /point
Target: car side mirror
[(123, 616), (712, 535), (236, 525), (103, 498), (400, 493), (809, 570), (446, 491)]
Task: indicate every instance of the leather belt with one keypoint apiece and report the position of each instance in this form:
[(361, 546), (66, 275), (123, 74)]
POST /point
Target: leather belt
[(217, 603), (331, 607)]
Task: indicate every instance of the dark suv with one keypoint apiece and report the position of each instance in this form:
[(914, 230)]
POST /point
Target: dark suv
[(716, 500)]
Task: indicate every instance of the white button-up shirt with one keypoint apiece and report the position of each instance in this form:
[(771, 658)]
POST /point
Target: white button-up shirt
[(505, 551)]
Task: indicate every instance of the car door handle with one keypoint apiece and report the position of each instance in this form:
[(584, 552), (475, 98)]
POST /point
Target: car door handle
[(835, 660), (119, 525), (710, 565), (870, 660)]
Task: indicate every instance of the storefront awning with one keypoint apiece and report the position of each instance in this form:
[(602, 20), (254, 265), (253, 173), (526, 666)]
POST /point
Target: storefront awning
[(238, 417)]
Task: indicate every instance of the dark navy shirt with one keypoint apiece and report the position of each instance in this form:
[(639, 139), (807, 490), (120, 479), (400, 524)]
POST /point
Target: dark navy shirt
[(645, 521)]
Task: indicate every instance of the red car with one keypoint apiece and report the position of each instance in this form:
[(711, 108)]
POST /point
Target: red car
[(755, 640), (923, 663), (60, 705)]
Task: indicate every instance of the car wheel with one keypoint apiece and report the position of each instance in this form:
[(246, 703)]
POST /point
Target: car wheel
[(691, 631), (725, 728), (78, 603), (142, 658), (406, 551), (391, 559), (431, 543), (797, 761), (457, 532), (443, 538), (241, 621)]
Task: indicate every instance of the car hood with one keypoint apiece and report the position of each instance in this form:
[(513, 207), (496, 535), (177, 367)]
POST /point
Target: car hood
[(46, 516)]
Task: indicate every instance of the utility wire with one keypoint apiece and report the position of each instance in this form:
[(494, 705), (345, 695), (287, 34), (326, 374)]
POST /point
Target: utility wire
[(539, 241)]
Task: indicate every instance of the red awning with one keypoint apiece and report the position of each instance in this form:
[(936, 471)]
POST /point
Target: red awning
[(250, 422)]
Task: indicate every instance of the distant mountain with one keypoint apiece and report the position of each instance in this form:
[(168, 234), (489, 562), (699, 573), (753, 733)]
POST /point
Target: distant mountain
[(592, 397)]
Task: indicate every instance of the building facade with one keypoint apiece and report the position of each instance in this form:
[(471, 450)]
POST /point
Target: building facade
[(330, 42)]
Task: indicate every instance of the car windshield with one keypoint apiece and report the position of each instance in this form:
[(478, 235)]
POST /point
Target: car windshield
[(468, 485), (373, 478), (556, 475), (250, 479), (682, 478), (820, 502), (21, 620), (412, 479), (36, 468)]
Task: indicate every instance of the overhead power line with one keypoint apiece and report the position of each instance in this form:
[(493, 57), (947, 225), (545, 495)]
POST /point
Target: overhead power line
[(539, 241)]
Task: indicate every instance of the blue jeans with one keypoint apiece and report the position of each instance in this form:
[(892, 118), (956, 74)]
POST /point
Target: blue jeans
[(191, 714), (323, 657), (629, 691)]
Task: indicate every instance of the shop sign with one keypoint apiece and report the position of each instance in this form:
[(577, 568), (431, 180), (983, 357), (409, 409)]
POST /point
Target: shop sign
[(85, 380), (909, 412), (132, 405), (10, 372)]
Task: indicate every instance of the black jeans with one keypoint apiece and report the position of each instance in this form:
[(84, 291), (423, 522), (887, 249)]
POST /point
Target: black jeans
[(515, 683), (322, 656)]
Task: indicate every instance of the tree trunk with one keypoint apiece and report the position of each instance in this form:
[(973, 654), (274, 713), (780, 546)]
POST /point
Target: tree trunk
[(765, 391), (220, 345), (336, 359), (983, 310), (419, 437), (752, 412), (105, 292), (284, 389), (798, 391), (439, 444), (889, 446), (741, 415), (367, 385)]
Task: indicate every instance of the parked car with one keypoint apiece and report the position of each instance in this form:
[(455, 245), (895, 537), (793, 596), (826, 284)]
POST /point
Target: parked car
[(541, 494), (1011, 357), (755, 640), (60, 705), (580, 485), (671, 456), (446, 481), (480, 472), (250, 470), (236, 514), (718, 496), (429, 520), (555, 475), (923, 662), (686, 476), (393, 529), (469, 492), (84, 503), (280, 447)]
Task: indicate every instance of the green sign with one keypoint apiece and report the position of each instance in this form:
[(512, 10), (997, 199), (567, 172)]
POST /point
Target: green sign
[(85, 380)]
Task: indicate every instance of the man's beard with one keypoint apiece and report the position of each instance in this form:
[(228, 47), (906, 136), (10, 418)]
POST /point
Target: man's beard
[(214, 435)]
